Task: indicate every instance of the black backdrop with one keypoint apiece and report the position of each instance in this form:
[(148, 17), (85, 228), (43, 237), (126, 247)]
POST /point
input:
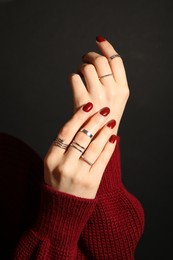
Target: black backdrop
[(41, 42)]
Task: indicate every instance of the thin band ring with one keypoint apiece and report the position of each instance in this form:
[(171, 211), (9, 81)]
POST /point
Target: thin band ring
[(77, 146), (60, 143), (85, 160), (74, 146), (75, 143), (114, 56), (89, 134), (107, 75)]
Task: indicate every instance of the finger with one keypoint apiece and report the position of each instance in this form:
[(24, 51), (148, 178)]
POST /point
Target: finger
[(116, 64), (69, 130), (95, 148), (91, 78), (86, 133), (78, 89), (101, 65), (102, 161)]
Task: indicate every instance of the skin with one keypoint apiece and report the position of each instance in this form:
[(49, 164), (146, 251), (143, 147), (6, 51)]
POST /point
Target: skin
[(64, 170)]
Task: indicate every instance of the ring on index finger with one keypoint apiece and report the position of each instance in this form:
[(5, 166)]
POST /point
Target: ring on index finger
[(60, 143)]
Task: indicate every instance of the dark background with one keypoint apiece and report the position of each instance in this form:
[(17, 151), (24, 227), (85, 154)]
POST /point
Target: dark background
[(42, 42)]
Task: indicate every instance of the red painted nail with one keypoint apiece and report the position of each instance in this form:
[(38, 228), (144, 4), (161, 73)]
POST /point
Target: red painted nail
[(105, 111), (88, 107), (112, 139), (100, 39), (111, 123)]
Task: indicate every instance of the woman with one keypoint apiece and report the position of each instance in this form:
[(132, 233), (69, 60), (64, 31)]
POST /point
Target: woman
[(85, 212)]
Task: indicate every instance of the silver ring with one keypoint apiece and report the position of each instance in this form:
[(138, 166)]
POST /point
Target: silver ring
[(75, 143), (107, 75), (85, 160), (89, 134), (114, 56), (77, 146), (60, 143), (74, 146)]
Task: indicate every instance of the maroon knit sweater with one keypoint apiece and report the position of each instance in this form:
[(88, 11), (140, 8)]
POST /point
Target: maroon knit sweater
[(69, 227)]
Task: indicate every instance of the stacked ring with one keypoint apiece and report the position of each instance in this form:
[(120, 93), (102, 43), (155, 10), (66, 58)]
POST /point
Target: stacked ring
[(77, 146), (60, 143)]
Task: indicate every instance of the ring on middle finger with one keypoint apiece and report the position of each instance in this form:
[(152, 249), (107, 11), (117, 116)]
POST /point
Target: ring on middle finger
[(88, 133)]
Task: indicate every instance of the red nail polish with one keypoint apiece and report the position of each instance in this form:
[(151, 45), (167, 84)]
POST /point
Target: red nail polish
[(88, 107), (112, 139), (111, 123), (100, 39), (105, 111)]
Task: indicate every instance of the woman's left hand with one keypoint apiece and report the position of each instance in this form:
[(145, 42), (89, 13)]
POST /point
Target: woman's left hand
[(105, 81)]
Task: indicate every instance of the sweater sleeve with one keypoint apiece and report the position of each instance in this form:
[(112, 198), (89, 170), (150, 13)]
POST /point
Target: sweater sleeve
[(60, 221), (117, 222)]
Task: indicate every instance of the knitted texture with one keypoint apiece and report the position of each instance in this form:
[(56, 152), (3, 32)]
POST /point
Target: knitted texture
[(68, 227)]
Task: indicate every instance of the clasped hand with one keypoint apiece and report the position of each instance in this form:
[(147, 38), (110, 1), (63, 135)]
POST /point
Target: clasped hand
[(77, 159)]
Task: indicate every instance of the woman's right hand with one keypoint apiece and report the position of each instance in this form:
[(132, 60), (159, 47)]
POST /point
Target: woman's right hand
[(77, 169), (101, 79)]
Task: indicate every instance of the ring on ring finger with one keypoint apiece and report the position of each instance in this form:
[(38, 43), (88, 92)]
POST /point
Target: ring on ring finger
[(85, 160)]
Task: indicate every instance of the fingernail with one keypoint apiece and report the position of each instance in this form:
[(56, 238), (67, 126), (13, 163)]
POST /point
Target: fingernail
[(112, 139), (88, 107), (111, 124), (100, 39), (105, 111)]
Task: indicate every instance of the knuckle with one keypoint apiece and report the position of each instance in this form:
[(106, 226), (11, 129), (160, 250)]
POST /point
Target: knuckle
[(81, 138), (126, 92), (78, 118), (64, 169), (88, 184), (76, 180), (88, 68), (120, 59), (123, 92), (48, 161), (66, 130), (101, 60)]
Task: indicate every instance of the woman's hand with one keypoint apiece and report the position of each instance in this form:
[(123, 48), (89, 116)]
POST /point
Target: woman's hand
[(111, 91), (76, 164), (76, 160)]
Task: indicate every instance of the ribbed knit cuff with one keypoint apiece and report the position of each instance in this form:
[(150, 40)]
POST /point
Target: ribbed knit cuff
[(62, 217)]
